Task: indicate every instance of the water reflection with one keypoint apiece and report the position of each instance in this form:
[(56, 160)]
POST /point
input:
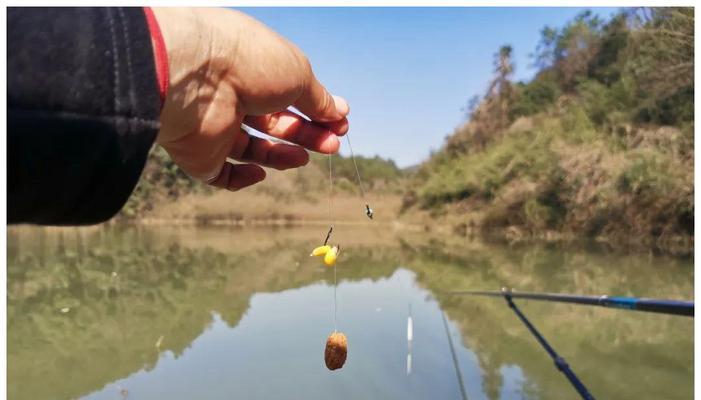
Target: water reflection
[(163, 313)]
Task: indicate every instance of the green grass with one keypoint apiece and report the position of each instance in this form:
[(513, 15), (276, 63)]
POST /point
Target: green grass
[(525, 179)]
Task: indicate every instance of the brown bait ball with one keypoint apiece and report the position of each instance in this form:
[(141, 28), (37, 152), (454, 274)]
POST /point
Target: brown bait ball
[(336, 351)]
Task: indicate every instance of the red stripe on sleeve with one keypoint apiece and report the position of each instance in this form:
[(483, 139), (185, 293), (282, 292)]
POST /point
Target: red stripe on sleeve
[(160, 53)]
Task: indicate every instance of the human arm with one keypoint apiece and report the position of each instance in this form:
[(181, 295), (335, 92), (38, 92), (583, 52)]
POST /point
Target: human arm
[(84, 109)]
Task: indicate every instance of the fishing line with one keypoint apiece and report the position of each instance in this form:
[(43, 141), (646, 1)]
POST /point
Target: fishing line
[(337, 344), (328, 235), (336, 349), (334, 299), (357, 172), (330, 196), (368, 210)]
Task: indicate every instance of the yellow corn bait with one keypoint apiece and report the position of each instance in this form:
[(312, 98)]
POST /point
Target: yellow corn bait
[(320, 251), (331, 256)]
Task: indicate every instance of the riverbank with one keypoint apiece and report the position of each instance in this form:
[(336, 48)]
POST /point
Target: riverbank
[(260, 207), (456, 222), (453, 236)]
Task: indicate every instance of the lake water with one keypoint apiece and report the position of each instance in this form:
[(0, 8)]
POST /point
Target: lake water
[(186, 313)]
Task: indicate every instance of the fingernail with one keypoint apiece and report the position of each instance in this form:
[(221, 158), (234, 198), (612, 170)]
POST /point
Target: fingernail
[(341, 106), (332, 144)]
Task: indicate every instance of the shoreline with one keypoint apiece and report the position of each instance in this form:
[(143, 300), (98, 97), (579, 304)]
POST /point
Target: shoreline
[(510, 236)]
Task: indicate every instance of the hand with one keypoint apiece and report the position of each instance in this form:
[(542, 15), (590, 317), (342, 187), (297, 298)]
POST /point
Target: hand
[(227, 69)]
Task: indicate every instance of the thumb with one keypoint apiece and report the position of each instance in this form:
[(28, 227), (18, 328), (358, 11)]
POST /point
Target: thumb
[(318, 104)]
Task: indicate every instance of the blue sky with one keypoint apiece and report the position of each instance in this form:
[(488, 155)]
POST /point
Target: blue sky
[(408, 72)]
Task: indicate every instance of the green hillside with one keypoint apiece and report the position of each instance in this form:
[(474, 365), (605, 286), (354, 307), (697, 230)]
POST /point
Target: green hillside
[(598, 144)]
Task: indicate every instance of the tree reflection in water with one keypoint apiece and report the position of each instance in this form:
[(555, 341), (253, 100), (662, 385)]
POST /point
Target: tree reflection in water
[(127, 289)]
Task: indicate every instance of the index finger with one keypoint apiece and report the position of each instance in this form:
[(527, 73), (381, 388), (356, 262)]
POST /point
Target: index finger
[(293, 128)]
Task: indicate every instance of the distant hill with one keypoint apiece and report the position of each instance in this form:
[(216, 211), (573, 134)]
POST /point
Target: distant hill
[(598, 144), (165, 193)]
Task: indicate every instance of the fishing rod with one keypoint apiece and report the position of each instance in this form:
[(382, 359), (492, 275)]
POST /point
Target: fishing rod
[(560, 362), (461, 384), (673, 307)]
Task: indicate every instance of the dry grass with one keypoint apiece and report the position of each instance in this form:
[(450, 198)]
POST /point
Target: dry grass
[(284, 198)]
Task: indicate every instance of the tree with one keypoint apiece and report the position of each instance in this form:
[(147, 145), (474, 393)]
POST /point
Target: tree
[(606, 65), (500, 89), (570, 50), (491, 114), (664, 49)]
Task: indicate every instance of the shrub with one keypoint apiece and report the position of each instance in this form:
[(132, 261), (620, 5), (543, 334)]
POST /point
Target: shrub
[(534, 97)]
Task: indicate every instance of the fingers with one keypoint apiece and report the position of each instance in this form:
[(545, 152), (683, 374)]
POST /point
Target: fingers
[(268, 154), (238, 176), (291, 127), (341, 105), (249, 148), (318, 104)]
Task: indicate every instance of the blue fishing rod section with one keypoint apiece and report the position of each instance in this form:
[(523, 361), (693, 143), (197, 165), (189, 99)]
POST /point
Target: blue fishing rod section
[(671, 307), (560, 362)]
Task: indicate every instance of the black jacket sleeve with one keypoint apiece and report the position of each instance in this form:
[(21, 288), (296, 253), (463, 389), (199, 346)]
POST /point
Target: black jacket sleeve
[(83, 107)]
